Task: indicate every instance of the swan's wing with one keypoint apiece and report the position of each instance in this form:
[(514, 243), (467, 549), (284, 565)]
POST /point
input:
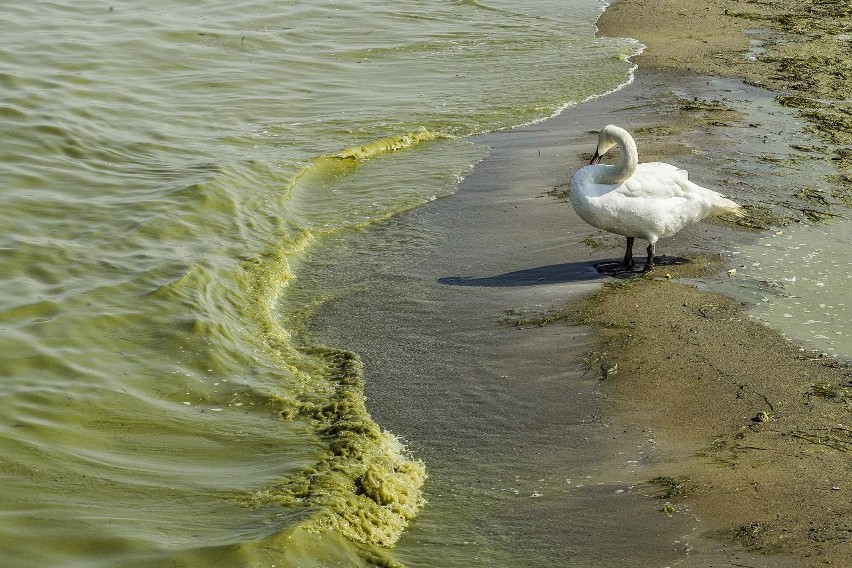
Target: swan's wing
[(656, 180), (665, 181), (655, 202), (663, 189)]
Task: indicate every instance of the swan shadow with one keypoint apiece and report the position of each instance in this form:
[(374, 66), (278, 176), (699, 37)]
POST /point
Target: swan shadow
[(559, 274), (615, 268), (539, 276)]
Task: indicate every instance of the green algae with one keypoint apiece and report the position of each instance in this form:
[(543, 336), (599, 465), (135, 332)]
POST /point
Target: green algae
[(593, 243), (671, 487), (760, 217), (364, 486), (758, 536), (694, 112), (817, 215), (808, 64), (519, 319), (561, 192), (811, 195), (831, 391)]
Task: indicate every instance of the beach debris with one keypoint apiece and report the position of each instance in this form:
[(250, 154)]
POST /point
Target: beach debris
[(608, 370), (732, 272), (668, 509), (671, 486), (762, 416), (839, 439), (749, 534)]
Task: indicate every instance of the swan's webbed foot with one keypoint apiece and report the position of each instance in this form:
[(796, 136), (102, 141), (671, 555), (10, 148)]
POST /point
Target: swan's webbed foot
[(614, 268), (626, 266)]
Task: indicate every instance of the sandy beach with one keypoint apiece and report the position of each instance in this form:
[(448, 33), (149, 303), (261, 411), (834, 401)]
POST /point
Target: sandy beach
[(759, 428), (565, 416)]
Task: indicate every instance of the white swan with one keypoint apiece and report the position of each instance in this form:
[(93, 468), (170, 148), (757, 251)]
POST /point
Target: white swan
[(650, 201)]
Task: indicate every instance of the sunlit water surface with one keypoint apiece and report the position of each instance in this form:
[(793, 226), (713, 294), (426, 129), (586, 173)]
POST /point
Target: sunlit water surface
[(164, 168)]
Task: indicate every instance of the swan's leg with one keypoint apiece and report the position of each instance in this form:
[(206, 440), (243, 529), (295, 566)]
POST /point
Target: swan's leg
[(649, 264), (628, 255)]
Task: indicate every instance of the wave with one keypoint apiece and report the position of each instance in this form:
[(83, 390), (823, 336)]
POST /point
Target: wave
[(329, 167), (384, 145), (364, 485)]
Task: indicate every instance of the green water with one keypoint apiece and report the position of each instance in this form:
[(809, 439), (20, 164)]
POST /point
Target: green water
[(164, 169)]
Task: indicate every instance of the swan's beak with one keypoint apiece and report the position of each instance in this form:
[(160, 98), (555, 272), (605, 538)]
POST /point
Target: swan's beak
[(596, 159)]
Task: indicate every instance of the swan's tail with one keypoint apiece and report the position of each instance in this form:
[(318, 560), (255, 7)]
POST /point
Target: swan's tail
[(726, 206)]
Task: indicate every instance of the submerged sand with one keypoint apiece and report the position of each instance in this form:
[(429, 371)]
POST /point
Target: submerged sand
[(567, 417)]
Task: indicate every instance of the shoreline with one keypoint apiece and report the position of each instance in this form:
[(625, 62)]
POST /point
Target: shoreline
[(520, 445), (532, 457), (755, 426)]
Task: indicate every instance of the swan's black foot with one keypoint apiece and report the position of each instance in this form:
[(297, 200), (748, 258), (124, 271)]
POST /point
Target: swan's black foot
[(649, 263), (622, 269), (616, 269), (665, 261)]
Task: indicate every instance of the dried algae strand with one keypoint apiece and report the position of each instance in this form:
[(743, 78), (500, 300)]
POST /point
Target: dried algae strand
[(839, 439)]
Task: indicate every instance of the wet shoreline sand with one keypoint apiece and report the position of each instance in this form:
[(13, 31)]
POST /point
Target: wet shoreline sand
[(544, 405), (756, 430)]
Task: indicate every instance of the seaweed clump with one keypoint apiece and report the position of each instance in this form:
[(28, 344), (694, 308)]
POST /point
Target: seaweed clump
[(365, 486), (671, 487)]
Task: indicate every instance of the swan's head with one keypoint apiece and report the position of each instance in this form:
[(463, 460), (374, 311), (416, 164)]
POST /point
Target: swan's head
[(610, 136)]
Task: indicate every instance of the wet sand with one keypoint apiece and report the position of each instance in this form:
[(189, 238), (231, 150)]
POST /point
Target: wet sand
[(565, 417), (756, 430)]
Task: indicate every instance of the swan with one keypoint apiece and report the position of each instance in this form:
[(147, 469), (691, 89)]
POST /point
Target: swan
[(649, 201)]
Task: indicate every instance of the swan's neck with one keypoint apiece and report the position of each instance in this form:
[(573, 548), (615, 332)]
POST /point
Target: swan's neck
[(620, 172)]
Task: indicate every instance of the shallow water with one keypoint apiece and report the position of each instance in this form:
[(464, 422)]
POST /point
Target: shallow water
[(801, 283), (794, 275), (165, 169)]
